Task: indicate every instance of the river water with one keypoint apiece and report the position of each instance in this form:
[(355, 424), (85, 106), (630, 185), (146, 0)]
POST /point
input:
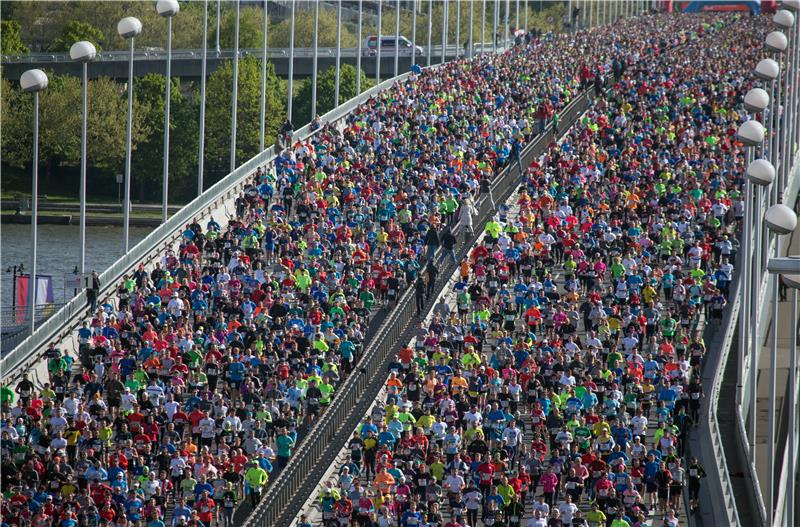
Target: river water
[(58, 250)]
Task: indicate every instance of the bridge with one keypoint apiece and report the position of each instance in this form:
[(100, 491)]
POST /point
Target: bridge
[(187, 63), (736, 478)]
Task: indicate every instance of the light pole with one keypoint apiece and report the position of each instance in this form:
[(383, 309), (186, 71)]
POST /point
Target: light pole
[(167, 9), (218, 21), (444, 31), (83, 52), (777, 43), (291, 62), (128, 27), (458, 29), (784, 19), (358, 47), (33, 81), (780, 220), (314, 62), (792, 281), (263, 114), (471, 17), (201, 143), (751, 134), (767, 70), (339, 53), (396, 37), (483, 25), (414, 34), (378, 47), (235, 95), (430, 32)]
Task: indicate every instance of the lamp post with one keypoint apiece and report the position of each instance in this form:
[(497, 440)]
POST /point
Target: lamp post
[(792, 281), (396, 38), (471, 17), (751, 134), (784, 19), (263, 114), (768, 70), (339, 53), (34, 81), (777, 43), (167, 9), (291, 62), (358, 47), (378, 47), (483, 25), (235, 95), (15, 271), (201, 143), (128, 28), (414, 34), (430, 32), (444, 31), (780, 220), (314, 62), (83, 52)]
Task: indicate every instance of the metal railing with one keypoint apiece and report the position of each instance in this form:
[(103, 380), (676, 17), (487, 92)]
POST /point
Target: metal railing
[(197, 54), (151, 248), (15, 324), (286, 494)]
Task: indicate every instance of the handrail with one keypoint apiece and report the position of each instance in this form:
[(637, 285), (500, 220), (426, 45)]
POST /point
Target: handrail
[(288, 491), (197, 54), (67, 318)]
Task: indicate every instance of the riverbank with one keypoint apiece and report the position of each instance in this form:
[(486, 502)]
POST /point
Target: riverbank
[(104, 220), (68, 213)]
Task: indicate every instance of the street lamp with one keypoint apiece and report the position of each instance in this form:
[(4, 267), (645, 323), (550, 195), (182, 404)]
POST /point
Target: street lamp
[(751, 134), (167, 9), (129, 28), (202, 132), (784, 19), (781, 220), (83, 52), (34, 81), (235, 96)]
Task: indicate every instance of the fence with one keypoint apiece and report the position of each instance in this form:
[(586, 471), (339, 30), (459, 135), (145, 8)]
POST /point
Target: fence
[(15, 331), (290, 489)]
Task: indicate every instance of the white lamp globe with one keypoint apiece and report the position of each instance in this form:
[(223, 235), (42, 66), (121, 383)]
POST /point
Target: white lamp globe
[(780, 219), (33, 81), (760, 172), (129, 27)]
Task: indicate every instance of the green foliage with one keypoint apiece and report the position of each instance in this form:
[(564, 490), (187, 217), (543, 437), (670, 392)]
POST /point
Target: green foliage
[(251, 32), (10, 41), (304, 31), (326, 91), (75, 31), (218, 113)]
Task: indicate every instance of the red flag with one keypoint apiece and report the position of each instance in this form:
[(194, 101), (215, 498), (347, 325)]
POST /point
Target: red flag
[(22, 298)]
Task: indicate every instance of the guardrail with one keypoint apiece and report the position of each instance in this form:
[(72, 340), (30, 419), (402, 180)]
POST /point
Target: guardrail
[(289, 490), (196, 54), (150, 249)]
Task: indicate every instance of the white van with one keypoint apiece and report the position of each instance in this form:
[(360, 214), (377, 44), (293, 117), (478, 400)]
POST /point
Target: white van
[(388, 44)]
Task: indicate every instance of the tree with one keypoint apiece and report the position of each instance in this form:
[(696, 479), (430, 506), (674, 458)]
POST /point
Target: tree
[(76, 31), (10, 41), (251, 32), (304, 31), (326, 91), (218, 113)]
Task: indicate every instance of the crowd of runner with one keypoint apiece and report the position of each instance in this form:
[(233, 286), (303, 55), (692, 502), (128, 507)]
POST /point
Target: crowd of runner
[(191, 387), (556, 384)]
